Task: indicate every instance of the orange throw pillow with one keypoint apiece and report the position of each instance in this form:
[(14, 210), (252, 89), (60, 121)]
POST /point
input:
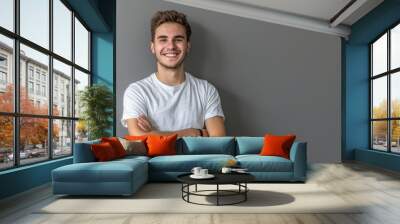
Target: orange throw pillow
[(277, 145), (161, 145), (116, 145), (142, 138), (103, 151)]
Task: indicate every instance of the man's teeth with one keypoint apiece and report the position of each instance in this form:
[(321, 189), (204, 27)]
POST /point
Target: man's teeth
[(171, 55)]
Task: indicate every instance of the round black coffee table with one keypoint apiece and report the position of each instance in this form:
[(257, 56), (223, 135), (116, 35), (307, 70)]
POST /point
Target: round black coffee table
[(238, 179)]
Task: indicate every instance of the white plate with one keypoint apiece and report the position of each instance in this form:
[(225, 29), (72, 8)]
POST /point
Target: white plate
[(208, 176)]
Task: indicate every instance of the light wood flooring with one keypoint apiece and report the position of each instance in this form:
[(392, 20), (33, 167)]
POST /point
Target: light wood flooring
[(378, 188)]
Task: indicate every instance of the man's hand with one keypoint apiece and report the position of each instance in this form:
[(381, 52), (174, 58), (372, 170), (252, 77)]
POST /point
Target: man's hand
[(189, 132), (204, 133), (144, 124)]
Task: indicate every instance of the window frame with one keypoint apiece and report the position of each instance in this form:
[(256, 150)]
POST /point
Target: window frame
[(16, 114), (388, 74)]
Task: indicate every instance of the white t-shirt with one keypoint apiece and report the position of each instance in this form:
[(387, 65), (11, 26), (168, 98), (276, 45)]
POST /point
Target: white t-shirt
[(172, 108)]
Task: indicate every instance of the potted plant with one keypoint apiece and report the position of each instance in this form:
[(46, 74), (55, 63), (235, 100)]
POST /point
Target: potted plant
[(96, 103)]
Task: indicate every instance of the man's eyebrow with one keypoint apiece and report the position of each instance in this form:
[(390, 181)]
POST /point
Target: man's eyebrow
[(175, 37), (162, 36)]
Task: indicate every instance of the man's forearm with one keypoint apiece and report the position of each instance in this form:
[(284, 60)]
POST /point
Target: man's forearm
[(180, 133)]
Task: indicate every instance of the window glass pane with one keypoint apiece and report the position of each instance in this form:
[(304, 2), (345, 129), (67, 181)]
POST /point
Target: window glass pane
[(395, 94), (33, 139), (81, 45), (34, 78), (62, 29), (6, 74), (62, 138), (379, 97), (81, 81), (35, 21), (7, 14), (395, 136), (379, 135), (81, 131), (379, 55), (6, 142), (62, 89), (395, 47)]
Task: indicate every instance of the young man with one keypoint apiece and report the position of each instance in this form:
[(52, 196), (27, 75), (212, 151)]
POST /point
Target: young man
[(171, 100)]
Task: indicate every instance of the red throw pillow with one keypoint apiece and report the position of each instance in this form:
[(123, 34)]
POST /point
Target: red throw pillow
[(161, 145), (277, 145), (103, 151), (116, 145)]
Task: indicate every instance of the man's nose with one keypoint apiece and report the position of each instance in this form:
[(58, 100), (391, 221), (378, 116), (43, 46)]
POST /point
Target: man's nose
[(171, 44)]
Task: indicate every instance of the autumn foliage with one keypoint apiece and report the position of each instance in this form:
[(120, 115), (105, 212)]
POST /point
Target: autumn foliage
[(380, 127), (33, 130)]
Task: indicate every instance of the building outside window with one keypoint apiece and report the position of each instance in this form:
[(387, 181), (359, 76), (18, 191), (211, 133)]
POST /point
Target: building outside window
[(3, 61), (385, 91), (3, 78), (57, 133), (37, 75), (30, 87), (30, 72), (43, 90), (3, 71), (38, 89)]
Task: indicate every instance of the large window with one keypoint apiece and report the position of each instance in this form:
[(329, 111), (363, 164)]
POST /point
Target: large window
[(385, 91), (44, 64)]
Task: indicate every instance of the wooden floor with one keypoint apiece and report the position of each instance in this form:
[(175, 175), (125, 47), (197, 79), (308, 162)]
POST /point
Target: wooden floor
[(379, 189)]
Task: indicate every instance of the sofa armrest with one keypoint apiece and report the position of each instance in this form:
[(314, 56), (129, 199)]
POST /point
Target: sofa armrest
[(298, 155), (83, 152)]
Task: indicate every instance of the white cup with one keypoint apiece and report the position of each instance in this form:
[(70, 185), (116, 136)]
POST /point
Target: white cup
[(226, 170), (203, 172), (196, 170)]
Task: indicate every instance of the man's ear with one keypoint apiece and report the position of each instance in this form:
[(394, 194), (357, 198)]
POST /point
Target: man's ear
[(152, 47)]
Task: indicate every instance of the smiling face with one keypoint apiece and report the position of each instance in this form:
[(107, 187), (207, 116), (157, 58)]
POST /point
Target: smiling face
[(170, 45)]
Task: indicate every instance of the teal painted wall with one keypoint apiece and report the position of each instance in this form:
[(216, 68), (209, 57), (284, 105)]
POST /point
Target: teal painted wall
[(101, 17), (357, 83), (24, 178), (103, 55), (103, 64)]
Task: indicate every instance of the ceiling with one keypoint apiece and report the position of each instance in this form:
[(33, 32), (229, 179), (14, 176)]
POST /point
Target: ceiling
[(318, 9), (333, 17)]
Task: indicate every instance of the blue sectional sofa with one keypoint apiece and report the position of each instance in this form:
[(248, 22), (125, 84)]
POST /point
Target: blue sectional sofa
[(125, 176)]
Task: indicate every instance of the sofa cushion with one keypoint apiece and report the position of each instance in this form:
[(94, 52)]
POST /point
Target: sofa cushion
[(249, 145), (132, 158), (185, 163), (111, 171), (206, 145), (116, 145), (103, 151), (161, 145), (257, 163), (275, 145), (134, 147)]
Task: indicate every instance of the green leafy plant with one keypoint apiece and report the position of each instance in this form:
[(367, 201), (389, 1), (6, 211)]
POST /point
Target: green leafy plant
[(96, 102)]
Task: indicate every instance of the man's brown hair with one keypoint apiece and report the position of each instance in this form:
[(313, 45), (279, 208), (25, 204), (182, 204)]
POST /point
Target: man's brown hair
[(169, 16)]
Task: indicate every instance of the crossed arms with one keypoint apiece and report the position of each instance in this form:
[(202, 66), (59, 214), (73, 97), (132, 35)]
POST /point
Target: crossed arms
[(214, 126)]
